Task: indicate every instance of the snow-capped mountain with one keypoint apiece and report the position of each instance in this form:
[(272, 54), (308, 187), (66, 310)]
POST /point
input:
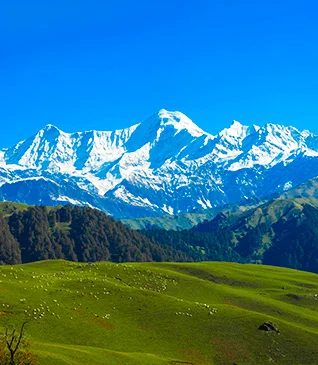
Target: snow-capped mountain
[(165, 164)]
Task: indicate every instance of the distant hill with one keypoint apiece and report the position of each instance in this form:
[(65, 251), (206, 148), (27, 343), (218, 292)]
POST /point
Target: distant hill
[(180, 222), (308, 191), (172, 222), (281, 232)]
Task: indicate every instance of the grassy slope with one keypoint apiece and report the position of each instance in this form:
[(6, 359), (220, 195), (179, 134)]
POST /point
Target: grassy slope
[(8, 208), (156, 316), (308, 189)]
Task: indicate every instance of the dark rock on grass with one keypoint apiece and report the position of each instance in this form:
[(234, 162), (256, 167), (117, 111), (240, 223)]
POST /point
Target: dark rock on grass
[(269, 327)]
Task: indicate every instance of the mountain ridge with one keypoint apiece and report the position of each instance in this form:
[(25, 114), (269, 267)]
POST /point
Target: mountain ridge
[(164, 165)]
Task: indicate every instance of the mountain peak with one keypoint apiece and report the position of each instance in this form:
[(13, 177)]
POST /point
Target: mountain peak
[(236, 130), (163, 111), (180, 122), (49, 127), (167, 114), (236, 124)]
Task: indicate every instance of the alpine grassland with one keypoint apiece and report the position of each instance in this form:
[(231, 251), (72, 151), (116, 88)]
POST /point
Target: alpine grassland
[(162, 313)]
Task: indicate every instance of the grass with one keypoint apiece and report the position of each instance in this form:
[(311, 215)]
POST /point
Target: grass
[(8, 208), (162, 313)]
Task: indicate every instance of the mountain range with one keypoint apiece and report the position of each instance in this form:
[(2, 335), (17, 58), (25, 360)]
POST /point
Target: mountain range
[(163, 165)]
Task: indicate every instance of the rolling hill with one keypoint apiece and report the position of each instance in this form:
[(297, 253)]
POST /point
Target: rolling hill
[(162, 313), (202, 313)]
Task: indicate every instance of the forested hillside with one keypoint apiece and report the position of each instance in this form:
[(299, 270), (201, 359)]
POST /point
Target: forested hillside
[(281, 232), (77, 234)]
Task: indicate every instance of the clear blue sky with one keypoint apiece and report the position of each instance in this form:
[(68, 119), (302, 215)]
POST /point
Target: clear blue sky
[(108, 64)]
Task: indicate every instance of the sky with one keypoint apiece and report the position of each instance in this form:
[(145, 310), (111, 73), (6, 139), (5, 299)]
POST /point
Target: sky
[(107, 65)]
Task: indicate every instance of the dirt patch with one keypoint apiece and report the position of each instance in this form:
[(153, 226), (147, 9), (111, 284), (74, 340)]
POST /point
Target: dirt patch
[(229, 351), (104, 323), (236, 305), (194, 357), (101, 322)]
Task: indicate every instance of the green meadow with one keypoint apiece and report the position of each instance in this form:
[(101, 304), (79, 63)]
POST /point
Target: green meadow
[(162, 313)]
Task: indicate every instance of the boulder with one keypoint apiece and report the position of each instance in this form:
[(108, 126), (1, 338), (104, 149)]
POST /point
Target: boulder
[(269, 327)]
